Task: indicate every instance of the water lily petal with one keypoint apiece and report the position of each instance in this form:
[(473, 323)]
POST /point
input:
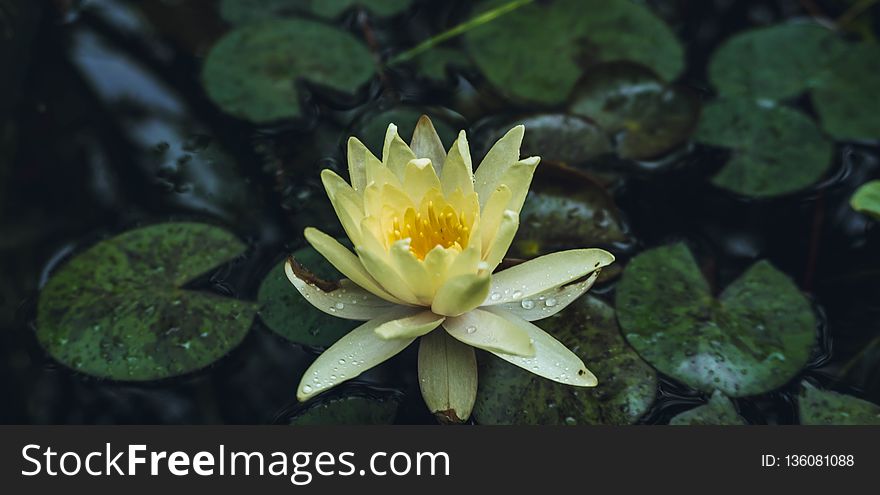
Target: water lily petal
[(378, 266), (500, 242), (412, 271), (356, 352), (549, 302), (518, 177), (504, 153), (461, 294), (458, 172), (491, 332), (396, 153), (410, 327), (426, 143), (492, 213), (347, 300), (447, 376), (419, 177), (358, 157), (347, 203), (546, 272), (346, 262), (551, 360), (437, 263)]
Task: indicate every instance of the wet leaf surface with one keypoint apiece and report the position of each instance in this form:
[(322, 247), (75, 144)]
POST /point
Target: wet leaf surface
[(774, 150), (718, 411), (565, 210), (348, 410), (286, 312), (646, 117), (555, 137), (537, 52), (117, 309), (510, 395), (245, 11), (755, 337), (867, 199), (254, 71), (826, 407)]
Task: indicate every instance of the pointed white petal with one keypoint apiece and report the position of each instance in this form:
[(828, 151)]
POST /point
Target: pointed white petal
[(358, 157), (426, 143), (491, 332), (410, 327), (347, 301), (458, 172), (504, 153), (461, 294), (447, 376), (549, 302), (551, 360), (396, 153), (501, 240), (518, 177), (378, 266)]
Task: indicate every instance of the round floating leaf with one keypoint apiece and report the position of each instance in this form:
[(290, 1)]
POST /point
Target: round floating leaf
[(372, 130), (774, 62), (846, 97), (754, 338), (537, 52), (252, 72), (775, 150), (647, 117), (348, 410), (556, 137), (117, 310), (246, 11), (718, 411), (867, 199), (824, 407), (510, 395), (565, 210), (286, 312)]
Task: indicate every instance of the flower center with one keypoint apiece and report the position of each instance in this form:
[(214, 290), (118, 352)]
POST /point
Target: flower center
[(430, 228)]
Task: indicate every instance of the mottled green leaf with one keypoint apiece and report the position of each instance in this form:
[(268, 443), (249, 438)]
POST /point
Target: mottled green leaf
[(286, 312), (867, 199), (537, 52), (718, 411), (246, 11), (774, 150), (846, 96), (510, 395), (755, 337), (646, 116), (253, 72), (117, 309), (774, 62), (347, 410), (825, 407)]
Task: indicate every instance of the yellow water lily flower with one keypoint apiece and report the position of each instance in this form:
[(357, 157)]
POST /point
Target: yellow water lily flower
[(428, 233)]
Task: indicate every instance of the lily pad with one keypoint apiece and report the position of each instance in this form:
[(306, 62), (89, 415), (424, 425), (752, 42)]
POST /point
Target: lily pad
[(846, 96), (555, 137), (867, 199), (537, 52), (372, 128), (774, 62), (756, 336), (286, 312), (246, 11), (565, 210), (348, 410), (627, 386), (775, 150), (718, 411), (646, 116), (825, 407), (433, 63), (117, 310), (253, 71)]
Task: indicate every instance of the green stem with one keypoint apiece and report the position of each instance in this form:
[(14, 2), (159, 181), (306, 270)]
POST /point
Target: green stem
[(853, 12), (457, 30)]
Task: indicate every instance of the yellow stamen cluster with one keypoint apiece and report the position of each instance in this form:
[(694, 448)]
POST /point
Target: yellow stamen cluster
[(430, 228)]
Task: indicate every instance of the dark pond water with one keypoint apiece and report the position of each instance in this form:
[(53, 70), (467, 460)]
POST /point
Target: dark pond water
[(113, 130)]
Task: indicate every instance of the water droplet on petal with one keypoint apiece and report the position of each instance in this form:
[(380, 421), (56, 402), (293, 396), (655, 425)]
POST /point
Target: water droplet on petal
[(471, 329), (306, 389), (527, 304), (550, 302)]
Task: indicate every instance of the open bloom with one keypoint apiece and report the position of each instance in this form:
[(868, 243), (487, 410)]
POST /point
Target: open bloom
[(428, 233)]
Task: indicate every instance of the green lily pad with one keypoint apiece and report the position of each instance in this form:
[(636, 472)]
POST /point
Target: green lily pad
[(867, 199), (253, 71), (433, 63), (555, 137), (627, 386), (348, 410), (646, 116), (246, 11), (774, 62), (117, 310), (754, 338), (775, 150), (846, 97), (372, 129), (718, 411), (825, 407), (287, 313), (565, 210), (537, 52)]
